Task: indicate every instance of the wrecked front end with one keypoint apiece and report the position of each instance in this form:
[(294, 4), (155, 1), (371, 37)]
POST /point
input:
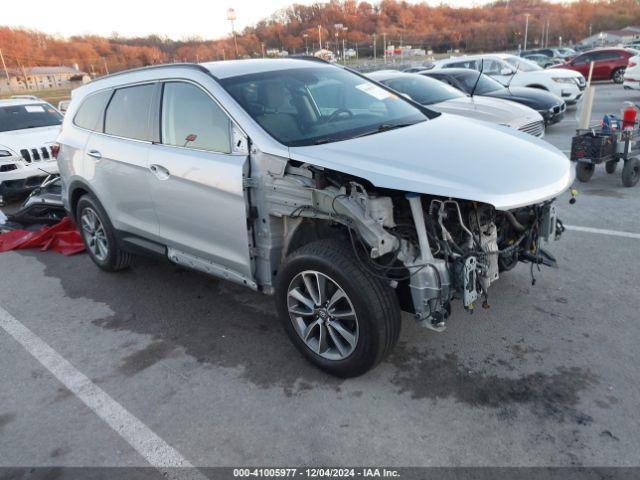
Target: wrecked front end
[(430, 249)]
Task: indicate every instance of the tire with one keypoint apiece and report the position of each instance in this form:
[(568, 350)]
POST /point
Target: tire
[(631, 172), (618, 75), (611, 166), (99, 237), (584, 171), (374, 327)]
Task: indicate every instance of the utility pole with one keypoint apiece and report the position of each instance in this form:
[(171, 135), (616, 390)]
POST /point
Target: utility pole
[(374, 48), (547, 38), (106, 68), (320, 36), (6, 72), (306, 45), (262, 46), (384, 44), (526, 30)]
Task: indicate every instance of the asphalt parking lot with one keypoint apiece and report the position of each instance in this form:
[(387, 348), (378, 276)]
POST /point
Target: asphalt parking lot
[(548, 376)]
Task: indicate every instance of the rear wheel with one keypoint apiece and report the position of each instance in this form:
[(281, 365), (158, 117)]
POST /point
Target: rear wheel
[(611, 166), (99, 235), (584, 171), (618, 75), (631, 172), (340, 317)]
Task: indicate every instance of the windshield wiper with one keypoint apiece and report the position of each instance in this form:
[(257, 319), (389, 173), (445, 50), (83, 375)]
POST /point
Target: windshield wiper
[(385, 127)]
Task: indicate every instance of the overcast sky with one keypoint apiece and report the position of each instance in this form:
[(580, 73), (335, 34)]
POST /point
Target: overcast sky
[(176, 19)]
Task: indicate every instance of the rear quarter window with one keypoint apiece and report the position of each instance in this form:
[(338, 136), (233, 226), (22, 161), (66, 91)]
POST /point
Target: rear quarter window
[(90, 115), (128, 112)]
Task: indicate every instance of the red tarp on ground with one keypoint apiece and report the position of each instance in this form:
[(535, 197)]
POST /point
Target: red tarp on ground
[(62, 237)]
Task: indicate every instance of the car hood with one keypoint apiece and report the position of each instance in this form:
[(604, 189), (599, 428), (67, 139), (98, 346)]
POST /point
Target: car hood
[(535, 98), (493, 110), (451, 156), (559, 71), (29, 137)]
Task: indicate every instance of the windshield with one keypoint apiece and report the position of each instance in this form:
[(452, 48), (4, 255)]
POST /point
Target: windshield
[(485, 84), (19, 117), (307, 106), (423, 90), (523, 65)]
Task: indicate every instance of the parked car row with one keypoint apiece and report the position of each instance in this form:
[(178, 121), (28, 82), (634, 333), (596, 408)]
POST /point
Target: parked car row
[(441, 97), (305, 180), (516, 71)]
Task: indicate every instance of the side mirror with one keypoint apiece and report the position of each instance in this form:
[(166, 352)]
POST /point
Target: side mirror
[(507, 71)]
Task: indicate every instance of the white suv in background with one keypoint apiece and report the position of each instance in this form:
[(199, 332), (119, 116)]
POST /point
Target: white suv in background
[(519, 72), (28, 129), (632, 74)]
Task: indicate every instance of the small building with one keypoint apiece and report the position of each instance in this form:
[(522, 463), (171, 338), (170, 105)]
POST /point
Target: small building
[(612, 37), (40, 78)]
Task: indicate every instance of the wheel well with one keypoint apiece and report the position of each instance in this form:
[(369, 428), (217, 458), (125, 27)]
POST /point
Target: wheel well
[(538, 87), (75, 198), (310, 230)]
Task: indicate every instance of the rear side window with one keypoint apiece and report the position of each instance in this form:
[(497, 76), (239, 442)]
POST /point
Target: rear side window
[(472, 64), (191, 119), (91, 113), (128, 112)]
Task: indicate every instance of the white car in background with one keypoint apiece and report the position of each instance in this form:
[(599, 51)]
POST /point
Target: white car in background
[(632, 74), (519, 72), (28, 128), (439, 96)]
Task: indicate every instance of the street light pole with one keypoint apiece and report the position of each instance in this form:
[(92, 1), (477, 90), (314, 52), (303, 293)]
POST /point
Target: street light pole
[(526, 30), (306, 45), (320, 36), (231, 16)]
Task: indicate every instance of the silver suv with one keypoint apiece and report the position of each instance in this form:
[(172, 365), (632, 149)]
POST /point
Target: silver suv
[(310, 182)]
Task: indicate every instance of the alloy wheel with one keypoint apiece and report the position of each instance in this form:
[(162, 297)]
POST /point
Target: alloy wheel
[(322, 315), (94, 234)]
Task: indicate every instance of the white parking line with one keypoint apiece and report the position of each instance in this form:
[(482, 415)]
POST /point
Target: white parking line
[(603, 231), (155, 450)]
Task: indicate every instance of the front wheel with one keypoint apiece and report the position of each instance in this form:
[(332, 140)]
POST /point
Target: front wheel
[(631, 172), (99, 235), (584, 171), (618, 75), (339, 316)]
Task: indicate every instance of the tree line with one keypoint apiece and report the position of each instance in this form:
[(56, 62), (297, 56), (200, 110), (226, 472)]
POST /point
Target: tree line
[(299, 28)]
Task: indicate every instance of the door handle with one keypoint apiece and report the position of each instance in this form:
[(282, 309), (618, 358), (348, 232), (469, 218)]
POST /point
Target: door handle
[(94, 154), (159, 171)]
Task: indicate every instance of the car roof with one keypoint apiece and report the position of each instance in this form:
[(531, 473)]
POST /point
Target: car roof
[(12, 102), (450, 71), (380, 75), (234, 68)]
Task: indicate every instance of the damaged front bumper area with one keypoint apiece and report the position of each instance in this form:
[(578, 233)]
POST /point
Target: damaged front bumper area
[(466, 247), (430, 249)]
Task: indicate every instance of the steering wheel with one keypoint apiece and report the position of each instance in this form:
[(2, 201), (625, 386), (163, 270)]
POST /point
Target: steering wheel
[(337, 113)]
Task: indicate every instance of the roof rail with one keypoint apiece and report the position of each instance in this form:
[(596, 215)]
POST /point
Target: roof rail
[(196, 66), (25, 97), (310, 58)]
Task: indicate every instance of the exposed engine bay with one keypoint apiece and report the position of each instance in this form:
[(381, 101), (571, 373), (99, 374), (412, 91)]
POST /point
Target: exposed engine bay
[(430, 249)]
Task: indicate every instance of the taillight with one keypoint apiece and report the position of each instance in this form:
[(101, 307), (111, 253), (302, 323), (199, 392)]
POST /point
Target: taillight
[(55, 149)]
